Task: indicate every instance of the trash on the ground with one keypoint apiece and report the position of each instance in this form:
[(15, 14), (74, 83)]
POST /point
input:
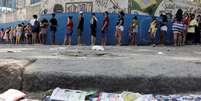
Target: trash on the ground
[(147, 98), (98, 48), (59, 94), (160, 53), (12, 95), (110, 97), (130, 96), (68, 95), (91, 95)]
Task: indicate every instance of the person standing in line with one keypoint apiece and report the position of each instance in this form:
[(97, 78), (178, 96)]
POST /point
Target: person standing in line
[(53, 28), (133, 30), (186, 21), (5, 37), (93, 26), (18, 33), (178, 29), (164, 28), (11, 34), (197, 31), (1, 34), (119, 28), (7, 33), (80, 28), (23, 38), (192, 29), (199, 27), (105, 28), (44, 30), (152, 31), (28, 34), (35, 29), (14, 35), (69, 31)]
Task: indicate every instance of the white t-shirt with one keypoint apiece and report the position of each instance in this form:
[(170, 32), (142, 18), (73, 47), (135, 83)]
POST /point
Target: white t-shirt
[(32, 22)]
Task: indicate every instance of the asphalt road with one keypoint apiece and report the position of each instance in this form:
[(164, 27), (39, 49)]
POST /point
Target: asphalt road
[(143, 69)]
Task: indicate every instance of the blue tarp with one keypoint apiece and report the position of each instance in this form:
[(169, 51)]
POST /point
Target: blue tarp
[(142, 36)]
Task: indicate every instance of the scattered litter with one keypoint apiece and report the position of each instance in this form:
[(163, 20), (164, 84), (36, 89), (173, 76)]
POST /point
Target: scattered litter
[(68, 95), (12, 95), (110, 97), (147, 98), (160, 53), (98, 48), (59, 94), (130, 96)]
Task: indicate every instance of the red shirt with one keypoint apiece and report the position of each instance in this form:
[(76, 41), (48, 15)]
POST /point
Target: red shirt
[(70, 25), (106, 20), (186, 20)]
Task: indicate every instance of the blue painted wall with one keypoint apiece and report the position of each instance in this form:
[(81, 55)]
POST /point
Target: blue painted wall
[(142, 37)]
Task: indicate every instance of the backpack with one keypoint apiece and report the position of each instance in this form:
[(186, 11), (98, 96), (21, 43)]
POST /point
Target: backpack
[(36, 25)]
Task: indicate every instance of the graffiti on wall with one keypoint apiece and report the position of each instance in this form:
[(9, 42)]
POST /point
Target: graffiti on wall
[(110, 5), (69, 5), (81, 6), (145, 6)]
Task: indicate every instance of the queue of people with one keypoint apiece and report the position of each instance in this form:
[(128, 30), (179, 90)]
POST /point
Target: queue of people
[(185, 27)]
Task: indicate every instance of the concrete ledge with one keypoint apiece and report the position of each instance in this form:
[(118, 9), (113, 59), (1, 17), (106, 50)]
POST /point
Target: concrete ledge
[(158, 85), (11, 73)]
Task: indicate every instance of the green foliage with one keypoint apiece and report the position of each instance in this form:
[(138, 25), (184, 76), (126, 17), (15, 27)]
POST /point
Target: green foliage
[(58, 8)]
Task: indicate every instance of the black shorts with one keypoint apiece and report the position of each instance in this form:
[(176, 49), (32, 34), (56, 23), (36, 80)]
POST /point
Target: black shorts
[(54, 29), (93, 31), (35, 30), (79, 32)]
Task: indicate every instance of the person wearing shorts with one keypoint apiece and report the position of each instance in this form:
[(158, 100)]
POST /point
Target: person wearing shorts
[(44, 31), (28, 34), (178, 29), (152, 31), (93, 26), (35, 29), (1, 34), (105, 28), (119, 28), (133, 31), (18, 33), (80, 28), (69, 31), (186, 21), (164, 28), (53, 29)]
